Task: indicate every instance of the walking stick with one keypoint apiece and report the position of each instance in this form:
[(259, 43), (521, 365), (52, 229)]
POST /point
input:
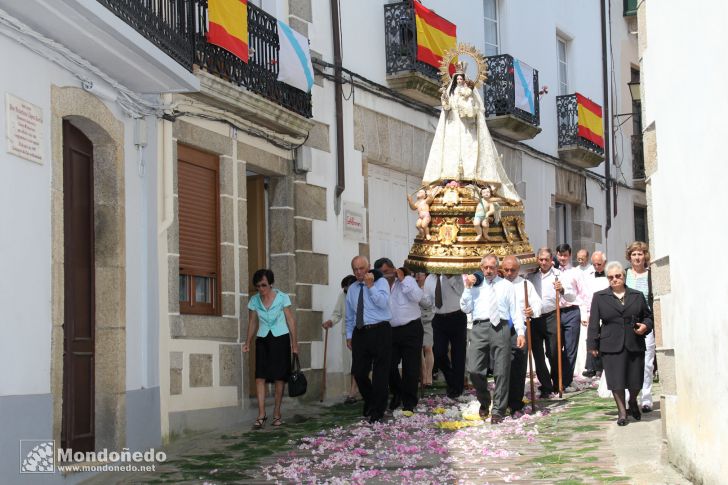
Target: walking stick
[(323, 377), (530, 350), (558, 340)]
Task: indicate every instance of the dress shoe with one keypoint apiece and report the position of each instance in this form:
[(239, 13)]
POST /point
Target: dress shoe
[(622, 422), (395, 402), (483, 413), (646, 408), (453, 394), (496, 419), (375, 419), (635, 412), (589, 373)]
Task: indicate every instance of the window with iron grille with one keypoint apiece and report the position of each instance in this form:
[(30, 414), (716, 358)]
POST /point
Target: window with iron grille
[(198, 175)]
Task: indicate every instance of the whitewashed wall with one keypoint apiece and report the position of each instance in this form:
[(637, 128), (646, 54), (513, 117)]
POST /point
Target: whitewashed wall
[(25, 241), (688, 106)]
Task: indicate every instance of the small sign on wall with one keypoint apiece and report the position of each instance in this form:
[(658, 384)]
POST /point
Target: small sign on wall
[(24, 128), (355, 218)]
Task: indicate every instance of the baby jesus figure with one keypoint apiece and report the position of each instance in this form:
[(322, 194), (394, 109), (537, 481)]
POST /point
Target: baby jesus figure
[(422, 206), (483, 212)]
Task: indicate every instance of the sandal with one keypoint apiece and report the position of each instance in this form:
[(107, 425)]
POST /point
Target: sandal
[(259, 422), (350, 400), (277, 421)]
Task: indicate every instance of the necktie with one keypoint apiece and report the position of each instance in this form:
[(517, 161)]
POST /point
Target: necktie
[(493, 305), (438, 292), (360, 307)]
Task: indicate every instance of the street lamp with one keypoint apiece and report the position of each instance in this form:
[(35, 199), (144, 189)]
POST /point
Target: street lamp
[(634, 91)]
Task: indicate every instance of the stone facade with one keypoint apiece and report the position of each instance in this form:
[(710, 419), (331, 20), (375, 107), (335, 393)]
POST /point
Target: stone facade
[(292, 205), (96, 121)]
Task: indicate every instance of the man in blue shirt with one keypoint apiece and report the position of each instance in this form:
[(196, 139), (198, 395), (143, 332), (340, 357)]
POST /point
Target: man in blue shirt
[(493, 305), (369, 336)]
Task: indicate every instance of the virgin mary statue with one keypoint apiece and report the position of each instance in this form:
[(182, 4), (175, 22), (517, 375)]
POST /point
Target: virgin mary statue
[(462, 148)]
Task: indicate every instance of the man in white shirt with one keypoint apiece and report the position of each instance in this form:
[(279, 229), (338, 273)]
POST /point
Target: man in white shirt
[(598, 281), (582, 262), (493, 305), (519, 361), (547, 282), (449, 329), (407, 332), (572, 312)]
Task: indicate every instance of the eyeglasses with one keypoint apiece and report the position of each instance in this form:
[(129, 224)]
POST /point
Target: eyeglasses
[(618, 276), (262, 285)]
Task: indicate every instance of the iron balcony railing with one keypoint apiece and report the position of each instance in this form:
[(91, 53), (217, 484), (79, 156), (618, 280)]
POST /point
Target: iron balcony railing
[(638, 158), (568, 121), (500, 90), (400, 40), (179, 28), (165, 23)]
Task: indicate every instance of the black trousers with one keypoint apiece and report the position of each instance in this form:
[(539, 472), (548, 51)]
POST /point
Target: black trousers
[(540, 336), (543, 331), (450, 337), (519, 368), (593, 363), (406, 347), (371, 349)]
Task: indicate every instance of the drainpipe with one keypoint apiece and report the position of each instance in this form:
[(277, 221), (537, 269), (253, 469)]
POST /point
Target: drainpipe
[(340, 173), (607, 120)]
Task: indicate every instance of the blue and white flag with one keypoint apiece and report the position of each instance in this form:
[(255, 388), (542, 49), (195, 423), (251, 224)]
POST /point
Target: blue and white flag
[(294, 59), (523, 80)]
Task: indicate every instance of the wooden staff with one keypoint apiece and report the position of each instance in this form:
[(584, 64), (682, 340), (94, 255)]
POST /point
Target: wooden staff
[(558, 340), (530, 351), (323, 377)]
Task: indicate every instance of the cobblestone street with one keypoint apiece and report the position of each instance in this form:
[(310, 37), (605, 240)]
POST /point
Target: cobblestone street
[(569, 441)]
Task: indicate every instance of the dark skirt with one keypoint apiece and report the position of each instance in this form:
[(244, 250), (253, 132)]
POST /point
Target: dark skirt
[(273, 357), (624, 370)]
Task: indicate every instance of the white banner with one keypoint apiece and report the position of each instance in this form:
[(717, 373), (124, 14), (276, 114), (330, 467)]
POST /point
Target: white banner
[(523, 79), (294, 59)]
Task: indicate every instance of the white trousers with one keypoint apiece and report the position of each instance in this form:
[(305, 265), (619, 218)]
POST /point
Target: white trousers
[(646, 399)]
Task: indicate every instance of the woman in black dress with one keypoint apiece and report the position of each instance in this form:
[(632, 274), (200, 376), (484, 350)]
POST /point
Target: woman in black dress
[(625, 320), (270, 319)]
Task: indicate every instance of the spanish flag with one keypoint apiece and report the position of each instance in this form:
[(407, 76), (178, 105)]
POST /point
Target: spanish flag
[(435, 35), (228, 26), (590, 120)]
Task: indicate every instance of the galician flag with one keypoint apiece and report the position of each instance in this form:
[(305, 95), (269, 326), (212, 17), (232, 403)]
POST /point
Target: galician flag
[(523, 81), (228, 26), (294, 59)]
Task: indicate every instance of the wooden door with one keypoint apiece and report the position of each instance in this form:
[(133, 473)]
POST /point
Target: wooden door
[(77, 431), (257, 254)]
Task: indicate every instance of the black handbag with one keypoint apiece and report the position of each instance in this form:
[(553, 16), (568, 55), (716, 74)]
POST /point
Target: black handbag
[(297, 383)]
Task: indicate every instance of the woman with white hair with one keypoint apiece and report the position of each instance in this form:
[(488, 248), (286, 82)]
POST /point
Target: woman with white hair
[(620, 340)]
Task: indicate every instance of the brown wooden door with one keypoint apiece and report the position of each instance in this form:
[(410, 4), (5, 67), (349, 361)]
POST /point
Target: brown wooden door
[(77, 431), (257, 257)]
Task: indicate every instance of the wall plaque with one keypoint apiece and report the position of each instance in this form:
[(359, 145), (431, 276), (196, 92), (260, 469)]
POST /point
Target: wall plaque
[(24, 122)]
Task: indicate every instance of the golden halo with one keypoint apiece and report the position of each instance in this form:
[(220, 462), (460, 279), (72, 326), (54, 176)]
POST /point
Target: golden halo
[(466, 50)]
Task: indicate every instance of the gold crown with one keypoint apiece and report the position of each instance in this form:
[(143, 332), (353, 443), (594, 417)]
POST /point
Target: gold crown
[(461, 68)]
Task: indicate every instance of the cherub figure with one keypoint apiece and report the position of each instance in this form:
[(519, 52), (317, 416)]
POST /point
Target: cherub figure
[(483, 212), (422, 206)]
